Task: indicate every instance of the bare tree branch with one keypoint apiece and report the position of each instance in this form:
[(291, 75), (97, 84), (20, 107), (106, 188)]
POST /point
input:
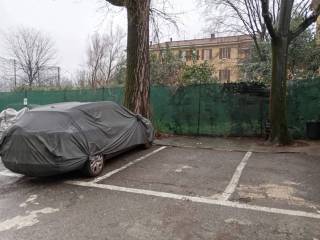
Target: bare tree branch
[(33, 52), (304, 25), (103, 54), (267, 18)]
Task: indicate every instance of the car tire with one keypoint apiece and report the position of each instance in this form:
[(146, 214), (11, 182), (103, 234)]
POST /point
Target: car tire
[(147, 145), (94, 166)]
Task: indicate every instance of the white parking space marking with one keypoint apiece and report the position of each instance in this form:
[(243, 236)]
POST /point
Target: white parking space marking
[(109, 174), (203, 200), (235, 178), (31, 200), (29, 220), (8, 173)]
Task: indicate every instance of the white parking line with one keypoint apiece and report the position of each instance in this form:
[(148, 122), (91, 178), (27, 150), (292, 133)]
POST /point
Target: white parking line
[(235, 178), (203, 200), (109, 174), (8, 173)]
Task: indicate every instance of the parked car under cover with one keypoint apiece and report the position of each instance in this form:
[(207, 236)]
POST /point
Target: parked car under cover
[(63, 137)]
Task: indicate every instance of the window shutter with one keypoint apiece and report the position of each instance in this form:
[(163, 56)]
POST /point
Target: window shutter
[(189, 53), (210, 54), (220, 53), (202, 54), (198, 54)]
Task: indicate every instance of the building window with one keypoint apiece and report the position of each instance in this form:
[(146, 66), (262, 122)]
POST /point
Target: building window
[(162, 55), (224, 75), (246, 53), (189, 54), (207, 54), (225, 53), (183, 55)]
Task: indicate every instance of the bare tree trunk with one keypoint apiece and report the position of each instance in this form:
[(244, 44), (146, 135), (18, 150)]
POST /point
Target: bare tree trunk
[(137, 88), (109, 70), (30, 76), (278, 96)]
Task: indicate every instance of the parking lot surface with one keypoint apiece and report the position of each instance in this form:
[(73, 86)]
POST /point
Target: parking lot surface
[(170, 192)]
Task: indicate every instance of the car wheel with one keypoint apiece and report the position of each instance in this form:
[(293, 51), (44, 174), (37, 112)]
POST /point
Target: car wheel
[(147, 145), (94, 166)]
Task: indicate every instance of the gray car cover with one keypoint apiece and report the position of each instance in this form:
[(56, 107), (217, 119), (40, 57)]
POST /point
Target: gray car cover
[(61, 137)]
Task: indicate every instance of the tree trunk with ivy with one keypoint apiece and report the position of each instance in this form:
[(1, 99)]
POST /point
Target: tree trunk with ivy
[(137, 86)]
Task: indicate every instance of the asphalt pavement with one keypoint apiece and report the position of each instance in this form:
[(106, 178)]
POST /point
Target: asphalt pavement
[(170, 193)]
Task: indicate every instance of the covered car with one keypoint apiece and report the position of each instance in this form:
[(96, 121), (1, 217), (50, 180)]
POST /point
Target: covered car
[(63, 137)]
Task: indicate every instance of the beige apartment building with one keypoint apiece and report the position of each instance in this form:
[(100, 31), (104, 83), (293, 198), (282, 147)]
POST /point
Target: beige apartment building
[(225, 53)]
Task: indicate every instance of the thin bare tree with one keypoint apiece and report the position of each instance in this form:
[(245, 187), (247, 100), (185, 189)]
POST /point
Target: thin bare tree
[(104, 53), (81, 78), (114, 52), (33, 52), (7, 74), (245, 17), (96, 53), (237, 16), (137, 85)]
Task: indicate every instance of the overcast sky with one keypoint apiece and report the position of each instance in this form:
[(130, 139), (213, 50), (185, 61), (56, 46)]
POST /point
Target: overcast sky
[(70, 23)]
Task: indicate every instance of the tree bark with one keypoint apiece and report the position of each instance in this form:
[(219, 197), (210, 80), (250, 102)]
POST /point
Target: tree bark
[(278, 95), (281, 36), (137, 87), (280, 40)]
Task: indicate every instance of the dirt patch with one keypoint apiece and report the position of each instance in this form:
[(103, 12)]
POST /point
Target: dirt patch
[(294, 144), (284, 192)]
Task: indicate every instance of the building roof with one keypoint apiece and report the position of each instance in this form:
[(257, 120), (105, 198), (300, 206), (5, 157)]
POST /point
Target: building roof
[(203, 42)]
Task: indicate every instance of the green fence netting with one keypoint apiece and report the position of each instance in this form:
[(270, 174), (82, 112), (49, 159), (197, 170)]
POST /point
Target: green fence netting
[(35, 98), (303, 105), (206, 109)]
